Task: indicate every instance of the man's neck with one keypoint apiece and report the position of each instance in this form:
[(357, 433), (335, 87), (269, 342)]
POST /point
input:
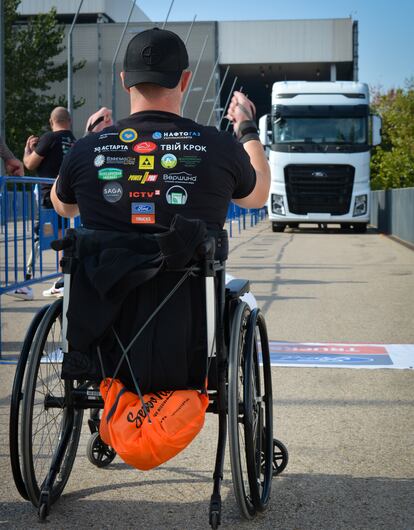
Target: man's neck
[(163, 105), (57, 128)]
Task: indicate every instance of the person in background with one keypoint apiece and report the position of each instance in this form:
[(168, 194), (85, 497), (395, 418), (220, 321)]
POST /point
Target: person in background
[(44, 155), (13, 166)]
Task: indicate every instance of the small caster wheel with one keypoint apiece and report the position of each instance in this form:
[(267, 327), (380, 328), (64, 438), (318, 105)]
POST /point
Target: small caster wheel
[(99, 454), (280, 457)]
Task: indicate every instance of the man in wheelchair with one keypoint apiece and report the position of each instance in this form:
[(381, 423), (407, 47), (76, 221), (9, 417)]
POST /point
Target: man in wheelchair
[(146, 279)]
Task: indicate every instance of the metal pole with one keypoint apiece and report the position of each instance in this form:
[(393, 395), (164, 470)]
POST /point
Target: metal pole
[(168, 14), (189, 31), (207, 87), (228, 100), (114, 61), (70, 60), (2, 86), (218, 94), (194, 74)]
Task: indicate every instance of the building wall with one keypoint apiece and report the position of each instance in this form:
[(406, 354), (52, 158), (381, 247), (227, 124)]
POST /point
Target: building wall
[(285, 41), (116, 10)]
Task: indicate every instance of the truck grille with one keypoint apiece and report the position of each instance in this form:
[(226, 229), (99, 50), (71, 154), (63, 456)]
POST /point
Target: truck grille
[(312, 188)]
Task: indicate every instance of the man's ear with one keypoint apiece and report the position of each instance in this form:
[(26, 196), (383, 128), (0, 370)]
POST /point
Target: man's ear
[(185, 80), (122, 76)]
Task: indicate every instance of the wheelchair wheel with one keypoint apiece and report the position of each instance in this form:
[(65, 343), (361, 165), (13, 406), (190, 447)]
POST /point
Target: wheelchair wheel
[(50, 424), (16, 398), (99, 454), (236, 410), (258, 414)]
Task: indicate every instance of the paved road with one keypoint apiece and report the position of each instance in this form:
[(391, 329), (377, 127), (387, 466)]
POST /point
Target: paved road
[(350, 432)]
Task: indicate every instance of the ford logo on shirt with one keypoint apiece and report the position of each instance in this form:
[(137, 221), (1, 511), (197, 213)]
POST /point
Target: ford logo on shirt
[(142, 207)]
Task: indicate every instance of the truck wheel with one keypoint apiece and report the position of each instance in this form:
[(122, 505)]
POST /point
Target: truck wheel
[(360, 228), (293, 225), (278, 227), (345, 226)]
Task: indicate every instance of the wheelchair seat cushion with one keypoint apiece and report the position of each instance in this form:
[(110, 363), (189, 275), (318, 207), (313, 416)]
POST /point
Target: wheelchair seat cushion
[(176, 418)]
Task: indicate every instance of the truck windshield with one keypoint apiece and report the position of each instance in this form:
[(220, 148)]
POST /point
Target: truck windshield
[(320, 130)]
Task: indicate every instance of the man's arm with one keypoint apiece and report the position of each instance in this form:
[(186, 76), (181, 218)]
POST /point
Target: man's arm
[(13, 166), (31, 159), (241, 111), (62, 208)]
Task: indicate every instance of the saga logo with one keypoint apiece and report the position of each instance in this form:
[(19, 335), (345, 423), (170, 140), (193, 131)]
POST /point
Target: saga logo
[(169, 161), (128, 135), (112, 192)]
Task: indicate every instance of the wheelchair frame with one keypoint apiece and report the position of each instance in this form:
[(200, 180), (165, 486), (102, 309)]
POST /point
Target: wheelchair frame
[(242, 399)]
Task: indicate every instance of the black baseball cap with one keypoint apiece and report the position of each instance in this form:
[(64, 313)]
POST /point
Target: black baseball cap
[(155, 56)]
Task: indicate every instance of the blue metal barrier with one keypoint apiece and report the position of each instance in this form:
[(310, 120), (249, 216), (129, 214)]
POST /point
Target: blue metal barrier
[(237, 214), (26, 231)]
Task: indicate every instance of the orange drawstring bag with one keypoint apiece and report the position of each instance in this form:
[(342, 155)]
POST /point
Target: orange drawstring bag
[(146, 440)]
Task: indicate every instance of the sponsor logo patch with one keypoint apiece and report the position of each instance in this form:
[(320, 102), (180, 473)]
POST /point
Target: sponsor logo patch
[(176, 195), (182, 178), (144, 194), (104, 136), (145, 147), (169, 161), (112, 192), (142, 207), (128, 135), (99, 161), (110, 147), (178, 146), (157, 135), (146, 162), (138, 219), (146, 177), (123, 160), (110, 173), (181, 135), (189, 160)]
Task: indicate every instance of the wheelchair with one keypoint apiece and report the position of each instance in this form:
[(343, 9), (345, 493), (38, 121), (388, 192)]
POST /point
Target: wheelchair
[(46, 413)]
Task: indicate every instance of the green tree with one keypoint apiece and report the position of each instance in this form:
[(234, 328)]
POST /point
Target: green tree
[(29, 51), (392, 164)]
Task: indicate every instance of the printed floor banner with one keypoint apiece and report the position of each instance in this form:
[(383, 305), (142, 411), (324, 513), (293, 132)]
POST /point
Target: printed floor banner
[(342, 355)]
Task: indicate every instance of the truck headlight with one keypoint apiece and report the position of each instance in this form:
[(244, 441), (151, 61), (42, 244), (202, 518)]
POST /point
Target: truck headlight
[(361, 205), (278, 205)]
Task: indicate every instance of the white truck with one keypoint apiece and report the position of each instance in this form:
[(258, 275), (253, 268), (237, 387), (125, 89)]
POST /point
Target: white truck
[(318, 138)]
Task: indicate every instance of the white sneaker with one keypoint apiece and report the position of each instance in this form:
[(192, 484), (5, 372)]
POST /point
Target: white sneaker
[(54, 291), (23, 293)]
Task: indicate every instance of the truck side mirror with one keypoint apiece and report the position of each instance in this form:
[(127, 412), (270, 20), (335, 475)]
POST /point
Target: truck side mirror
[(264, 129), (376, 124)]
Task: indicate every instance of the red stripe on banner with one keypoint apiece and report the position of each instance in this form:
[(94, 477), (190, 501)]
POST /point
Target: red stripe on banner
[(348, 349)]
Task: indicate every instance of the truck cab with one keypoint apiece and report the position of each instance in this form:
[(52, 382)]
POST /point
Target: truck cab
[(318, 138)]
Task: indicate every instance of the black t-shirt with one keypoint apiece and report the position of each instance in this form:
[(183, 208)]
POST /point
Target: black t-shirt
[(53, 146), (137, 174)]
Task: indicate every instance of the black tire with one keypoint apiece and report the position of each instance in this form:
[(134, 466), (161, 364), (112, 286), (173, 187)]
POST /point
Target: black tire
[(278, 227), (236, 410), (99, 454), (360, 228), (44, 429), (258, 419), (16, 398), (345, 226), (280, 457), (293, 225)]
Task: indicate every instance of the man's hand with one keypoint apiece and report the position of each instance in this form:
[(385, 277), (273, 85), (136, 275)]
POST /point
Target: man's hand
[(99, 120), (240, 109), (31, 143), (14, 167)]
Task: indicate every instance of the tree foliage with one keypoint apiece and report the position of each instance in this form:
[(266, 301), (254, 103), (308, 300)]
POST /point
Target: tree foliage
[(29, 51), (392, 163)]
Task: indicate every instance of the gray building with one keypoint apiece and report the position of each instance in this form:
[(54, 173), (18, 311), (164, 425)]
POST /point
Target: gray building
[(253, 54)]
